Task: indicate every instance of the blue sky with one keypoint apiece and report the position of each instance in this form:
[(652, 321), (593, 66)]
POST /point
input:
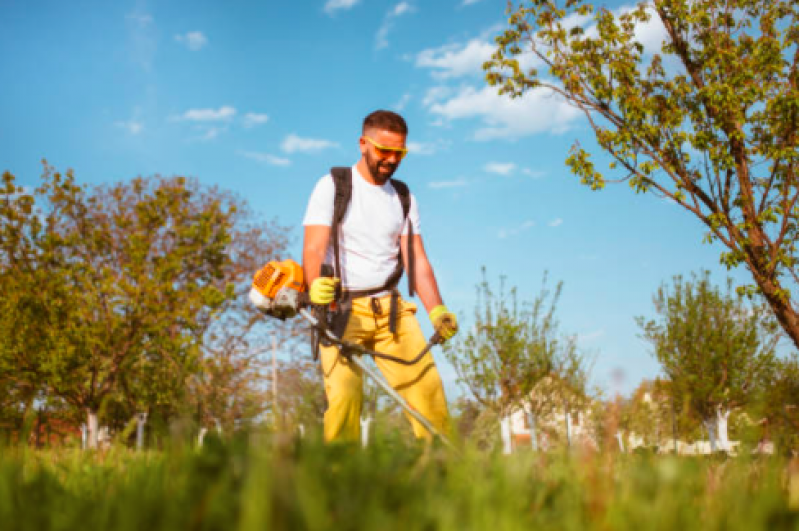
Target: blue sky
[(262, 97)]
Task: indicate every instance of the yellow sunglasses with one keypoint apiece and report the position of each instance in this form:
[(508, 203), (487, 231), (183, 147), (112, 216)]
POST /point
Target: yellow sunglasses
[(386, 151)]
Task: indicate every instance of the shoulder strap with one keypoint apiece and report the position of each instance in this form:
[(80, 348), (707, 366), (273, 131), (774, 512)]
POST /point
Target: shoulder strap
[(404, 194), (342, 179)]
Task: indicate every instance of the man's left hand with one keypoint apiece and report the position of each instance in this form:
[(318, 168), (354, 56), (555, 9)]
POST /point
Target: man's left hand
[(444, 322)]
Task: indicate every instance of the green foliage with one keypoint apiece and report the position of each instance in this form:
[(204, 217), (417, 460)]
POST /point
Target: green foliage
[(714, 347), (708, 120), (388, 486), (514, 354), (779, 405), (112, 294)]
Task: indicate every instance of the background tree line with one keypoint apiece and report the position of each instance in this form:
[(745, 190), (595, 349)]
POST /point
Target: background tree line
[(125, 301)]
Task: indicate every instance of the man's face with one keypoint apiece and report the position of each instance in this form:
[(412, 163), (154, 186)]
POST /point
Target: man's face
[(382, 163)]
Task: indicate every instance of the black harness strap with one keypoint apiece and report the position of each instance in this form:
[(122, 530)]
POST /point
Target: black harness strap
[(342, 179)]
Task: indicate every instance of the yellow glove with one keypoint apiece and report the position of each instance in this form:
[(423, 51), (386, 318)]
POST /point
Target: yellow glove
[(323, 290), (444, 322)]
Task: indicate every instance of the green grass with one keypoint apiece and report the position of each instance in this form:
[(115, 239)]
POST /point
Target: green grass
[(248, 486)]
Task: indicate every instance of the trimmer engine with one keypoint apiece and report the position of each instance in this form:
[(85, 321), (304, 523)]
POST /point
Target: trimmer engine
[(278, 289)]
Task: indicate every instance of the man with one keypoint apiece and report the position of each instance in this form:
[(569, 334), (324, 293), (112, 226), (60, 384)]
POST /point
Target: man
[(375, 237)]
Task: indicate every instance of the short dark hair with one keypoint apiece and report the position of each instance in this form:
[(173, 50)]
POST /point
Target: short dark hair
[(387, 120)]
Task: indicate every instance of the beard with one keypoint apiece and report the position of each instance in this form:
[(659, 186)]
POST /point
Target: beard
[(380, 170)]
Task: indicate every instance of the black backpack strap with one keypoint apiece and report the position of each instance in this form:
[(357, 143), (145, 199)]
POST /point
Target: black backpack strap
[(405, 199), (342, 179)]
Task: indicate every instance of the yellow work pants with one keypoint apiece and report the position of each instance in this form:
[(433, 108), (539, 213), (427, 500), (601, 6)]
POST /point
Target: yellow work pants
[(419, 384)]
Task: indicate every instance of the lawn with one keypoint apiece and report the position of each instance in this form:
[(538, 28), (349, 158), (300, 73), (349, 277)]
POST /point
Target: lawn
[(257, 483)]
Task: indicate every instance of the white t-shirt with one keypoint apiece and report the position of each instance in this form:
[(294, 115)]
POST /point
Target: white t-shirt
[(370, 231)]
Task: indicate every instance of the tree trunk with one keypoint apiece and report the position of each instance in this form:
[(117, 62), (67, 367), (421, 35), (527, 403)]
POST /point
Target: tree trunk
[(717, 430), (533, 431), (711, 426), (722, 416), (779, 303), (507, 444), (365, 421), (92, 429), (568, 426), (141, 420)]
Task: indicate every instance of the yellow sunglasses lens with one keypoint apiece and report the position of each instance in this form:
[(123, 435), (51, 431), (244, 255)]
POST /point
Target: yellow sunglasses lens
[(385, 151)]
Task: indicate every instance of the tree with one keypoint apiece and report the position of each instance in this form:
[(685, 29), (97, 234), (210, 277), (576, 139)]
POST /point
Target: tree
[(115, 288), (714, 347), (709, 120), (514, 351), (781, 405)]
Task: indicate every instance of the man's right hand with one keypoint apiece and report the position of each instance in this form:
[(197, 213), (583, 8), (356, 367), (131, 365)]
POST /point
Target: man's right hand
[(323, 290)]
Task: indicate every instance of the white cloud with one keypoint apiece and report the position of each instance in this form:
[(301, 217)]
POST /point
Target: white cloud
[(331, 6), (142, 41), (381, 38), (133, 127), (401, 9), (400, 105), (557, 222), (500, 168), (224, 113), (435, 94), (447, 184), (469, 2), (142, 19), (251, 119), (537, 111), (533, 173), (506, 233), (421, 148), (193, 40), (591, 336), (265, 158), (455, 60), (295, 144), (211, 132)]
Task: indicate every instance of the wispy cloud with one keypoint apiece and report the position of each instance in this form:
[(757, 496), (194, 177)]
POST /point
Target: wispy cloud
[(224, 113), (403, 101), (557, 222), (456, 60), (193, 40), (436, 94), (447, 184), (265, 158), (507, 233), (469, 2), (210, 132), (142, 38), (533, 173), (500, 168), (400, 9), (133, 127), (332, 6), (296, 144), (588, 337), (422, 148), (251, 119), (537, 111)]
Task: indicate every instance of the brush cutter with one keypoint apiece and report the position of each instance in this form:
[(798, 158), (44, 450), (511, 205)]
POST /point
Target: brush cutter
[(278, 290)]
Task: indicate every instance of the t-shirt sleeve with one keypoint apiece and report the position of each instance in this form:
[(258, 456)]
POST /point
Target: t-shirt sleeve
[(413, 218), (320, 205)]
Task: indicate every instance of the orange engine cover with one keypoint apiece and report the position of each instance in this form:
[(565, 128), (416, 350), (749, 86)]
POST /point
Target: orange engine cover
[(276, 275)]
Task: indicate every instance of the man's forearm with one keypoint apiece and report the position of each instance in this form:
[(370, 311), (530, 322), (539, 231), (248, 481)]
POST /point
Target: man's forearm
[(426, 286)]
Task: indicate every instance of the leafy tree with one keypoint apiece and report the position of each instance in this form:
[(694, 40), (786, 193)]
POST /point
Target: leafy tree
[(781, 405), (714, 347), (115, 288), (514, 356), (709, 119)]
